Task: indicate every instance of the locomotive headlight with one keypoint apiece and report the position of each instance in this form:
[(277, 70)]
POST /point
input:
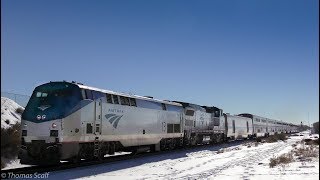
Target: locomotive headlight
[(25, 124), (43, 116), (54, 125), (38, 117)]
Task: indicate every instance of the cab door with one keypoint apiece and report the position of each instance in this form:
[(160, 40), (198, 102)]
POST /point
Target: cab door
[(190, 118), (98, 117)]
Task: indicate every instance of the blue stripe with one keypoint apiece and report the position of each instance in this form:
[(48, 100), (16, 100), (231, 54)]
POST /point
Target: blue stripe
[(115, 124), (109, 115), (113, 118)]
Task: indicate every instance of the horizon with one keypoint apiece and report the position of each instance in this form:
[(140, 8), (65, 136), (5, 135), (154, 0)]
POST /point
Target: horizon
[(241, 56)]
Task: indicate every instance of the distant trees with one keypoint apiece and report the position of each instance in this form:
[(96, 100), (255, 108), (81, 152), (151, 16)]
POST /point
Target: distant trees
[(316, 127), (304, 128)]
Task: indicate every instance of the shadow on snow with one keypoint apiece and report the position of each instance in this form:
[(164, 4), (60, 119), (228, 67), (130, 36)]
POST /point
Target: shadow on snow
[(114, 166)]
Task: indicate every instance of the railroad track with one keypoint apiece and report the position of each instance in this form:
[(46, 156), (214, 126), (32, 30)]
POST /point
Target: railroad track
[(112, 159)]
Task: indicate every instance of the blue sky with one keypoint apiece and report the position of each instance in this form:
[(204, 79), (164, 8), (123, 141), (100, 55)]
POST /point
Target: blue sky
[(251, 56)]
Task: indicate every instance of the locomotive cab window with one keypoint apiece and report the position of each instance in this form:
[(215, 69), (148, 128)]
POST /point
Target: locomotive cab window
[(109, 98), (97, 94), (133, 102), (89, 94), (115, 99), (83, 94), (189, 112), (124, 101)]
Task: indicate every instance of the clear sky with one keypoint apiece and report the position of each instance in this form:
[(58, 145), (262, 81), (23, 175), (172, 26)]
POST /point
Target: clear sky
[(255, 56)]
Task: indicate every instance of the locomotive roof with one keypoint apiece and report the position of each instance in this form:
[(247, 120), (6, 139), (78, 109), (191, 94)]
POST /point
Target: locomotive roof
[(127, 95)]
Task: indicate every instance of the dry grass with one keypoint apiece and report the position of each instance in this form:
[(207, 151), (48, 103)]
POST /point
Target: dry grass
[(283, 159), (313, 142), (276, 137), (10, 141), (300, 152), (306, 151)]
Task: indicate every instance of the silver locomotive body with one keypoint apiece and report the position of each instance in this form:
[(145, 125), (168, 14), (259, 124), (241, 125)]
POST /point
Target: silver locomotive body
[(203, 124), (96, 123)]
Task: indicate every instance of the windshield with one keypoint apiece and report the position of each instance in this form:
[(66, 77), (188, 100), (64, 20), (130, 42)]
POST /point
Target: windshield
[(50, 101)]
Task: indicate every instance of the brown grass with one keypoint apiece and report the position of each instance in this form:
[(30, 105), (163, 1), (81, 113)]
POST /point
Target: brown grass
[(304, 153), (276, 137), (283, 159), (313, 142), (307, 151), (10, 141)]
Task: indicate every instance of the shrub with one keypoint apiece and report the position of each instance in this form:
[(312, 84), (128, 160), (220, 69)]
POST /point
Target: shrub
[(307, 140), (283, 159), (307, 151), (19, 110), (276, 137), (10, 141), (313, 142), (271, 139), (273, 162), (281, 137), (316, 127), (316, 141)]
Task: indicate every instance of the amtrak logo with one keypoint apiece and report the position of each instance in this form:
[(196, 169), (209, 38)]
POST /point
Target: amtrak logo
[(113, 119), (44, 107)]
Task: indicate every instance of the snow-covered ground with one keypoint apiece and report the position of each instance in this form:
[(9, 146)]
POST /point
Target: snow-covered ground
[(9, 116), (228, 161), (13, 163), (234, 160)]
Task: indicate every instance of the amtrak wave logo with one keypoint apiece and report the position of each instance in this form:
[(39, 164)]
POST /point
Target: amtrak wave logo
[(113, 119)]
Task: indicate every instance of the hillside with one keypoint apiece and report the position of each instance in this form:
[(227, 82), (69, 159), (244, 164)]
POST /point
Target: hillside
[(9, 113)]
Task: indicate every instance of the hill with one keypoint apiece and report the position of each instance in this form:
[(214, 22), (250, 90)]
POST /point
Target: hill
[(10, 112)]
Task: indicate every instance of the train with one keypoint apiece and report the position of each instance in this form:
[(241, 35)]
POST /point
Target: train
[(71, 121)]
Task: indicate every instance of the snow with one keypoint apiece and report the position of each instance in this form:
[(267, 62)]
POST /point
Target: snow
[(12, 164), (9, 116), (227, 161)]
